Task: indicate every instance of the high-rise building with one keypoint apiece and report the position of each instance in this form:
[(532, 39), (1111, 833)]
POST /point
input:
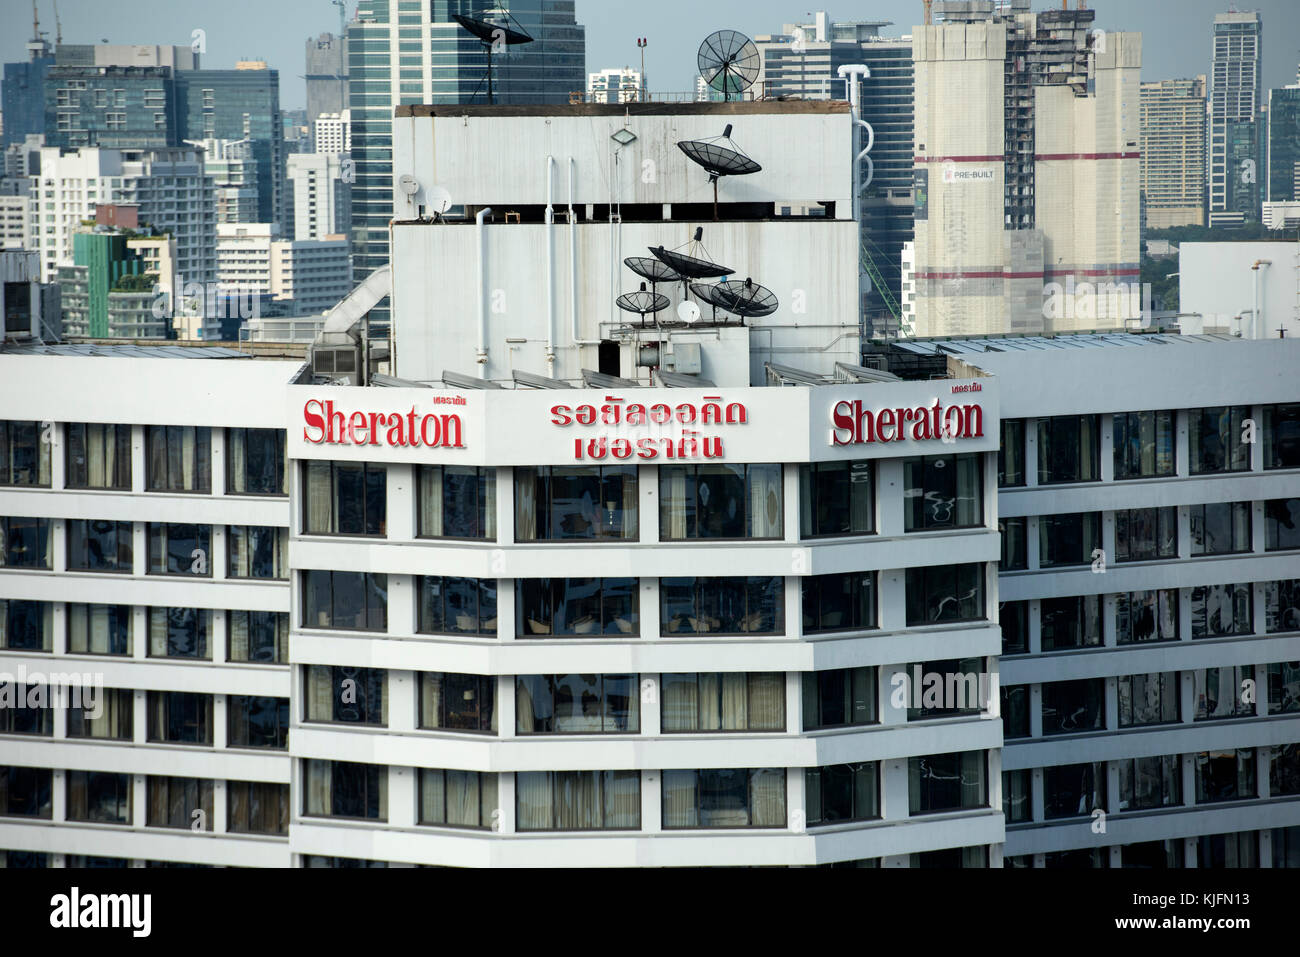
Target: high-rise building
[(1027, 152), (23, 93), (233, 169), (804, 61), (15, 213), (1236, 169), (108, 292), (320, 197), (293, 277), (327, 75), (114, 107), (441, 63), (1283, 170), (169, 186), (619, 85), (333, 133), (1173, 152)]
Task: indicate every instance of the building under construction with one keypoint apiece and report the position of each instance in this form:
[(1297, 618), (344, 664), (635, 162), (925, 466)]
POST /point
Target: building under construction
[(1037, 186)]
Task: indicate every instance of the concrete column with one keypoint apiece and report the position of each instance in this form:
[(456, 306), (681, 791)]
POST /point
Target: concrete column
[(219, 471), (507, 706), (892, 601), (140, 549), (1031, 459), (1112, 787), (1184, 532), (1109, 632), (58, 452), (793, 606), (403, 788), (794, 702), (504, 822), (505, 504), (220, 726), (885, 690), (400, 489), (140, 717), (1033, 549), (220, 806), (1184, 614), (889, 497), (218, 641), (1257, 447), (218, 559), (1258, 540), (1189, 780), (1106, 450), (58, 545), (139, 801), (402, 601), (140, 632), (647, 496), (649, 609), (796, 808), (1035, 710), (1037, 797), (652, 813), (650, 696), (403, 697), (1035, 626), (1112, 703), (1186, 697), (507, 610), (59, 795), (59, 622), (894, 797), (1182, 444), (790, 502)]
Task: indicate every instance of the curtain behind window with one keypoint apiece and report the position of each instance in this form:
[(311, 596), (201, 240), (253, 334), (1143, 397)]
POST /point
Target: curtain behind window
[(534, 802), (680, 791), (431, 501), (765, 501), (320, 498), (431, 700), (767, 797)]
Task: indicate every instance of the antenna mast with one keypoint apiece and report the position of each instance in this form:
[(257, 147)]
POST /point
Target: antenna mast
[(58, 26)]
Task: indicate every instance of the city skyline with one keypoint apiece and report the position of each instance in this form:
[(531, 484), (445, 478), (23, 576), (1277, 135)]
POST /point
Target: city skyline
[(1177, 36)]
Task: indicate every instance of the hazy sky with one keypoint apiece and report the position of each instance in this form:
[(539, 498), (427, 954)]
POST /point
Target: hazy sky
[(1176, 33)]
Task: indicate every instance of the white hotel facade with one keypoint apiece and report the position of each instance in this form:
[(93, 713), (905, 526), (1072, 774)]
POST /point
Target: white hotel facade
[(541, 602)]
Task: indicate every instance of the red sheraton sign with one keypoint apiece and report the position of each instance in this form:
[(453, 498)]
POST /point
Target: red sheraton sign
[(856, 425), (326, 425)]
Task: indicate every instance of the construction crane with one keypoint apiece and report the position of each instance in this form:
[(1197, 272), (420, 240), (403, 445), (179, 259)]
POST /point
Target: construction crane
[(58, 26), (343, 15)]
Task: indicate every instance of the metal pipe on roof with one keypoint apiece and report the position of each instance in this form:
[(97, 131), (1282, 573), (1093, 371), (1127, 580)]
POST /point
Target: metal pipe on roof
[(550, 266), (479, 223), (573, 259)]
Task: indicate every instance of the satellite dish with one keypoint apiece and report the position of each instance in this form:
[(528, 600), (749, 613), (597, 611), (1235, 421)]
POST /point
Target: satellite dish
[(721, 157), (493, 30), (642, 302), (748, 298), (729, 62), (408, 184), (688, 312), (694, 264), (438, 200)]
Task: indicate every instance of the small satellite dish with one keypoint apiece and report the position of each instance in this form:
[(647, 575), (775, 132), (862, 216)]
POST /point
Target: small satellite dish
[(688, 312), (729, 62), (747, 299), (642, 302), (438, 200), (721, 157), (492, 29), (408, 184)]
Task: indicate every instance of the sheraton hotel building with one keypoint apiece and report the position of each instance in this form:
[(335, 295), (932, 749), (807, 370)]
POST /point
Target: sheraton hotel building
[(616, 610)]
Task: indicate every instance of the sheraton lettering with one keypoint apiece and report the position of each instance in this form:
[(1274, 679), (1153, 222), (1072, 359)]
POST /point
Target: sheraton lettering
[(326, 425), (856, 425)]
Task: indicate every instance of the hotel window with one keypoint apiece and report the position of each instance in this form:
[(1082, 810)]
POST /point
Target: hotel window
[(719, 502), (1011, 454), (1216, 439), (1284, 687), (1073, 790), (1015, 546), (722, 606), (1153, 855), (457, 501), (28, 711), (455, 702), (1282, 605), (1219, 692), (258, 637), (1281, 524), (179, 717), (1286, 847), (1017, 797), (1068, 539), (100, 629), (1013, 618), (576, 606), (340, 694), (98, 456), (731, 797), (1220, 528), (1225, 776), (1068, 449), (257, 551), (98, 797), (555, 503), (1228, 850), (839, 793), (723, 701), (945, 593), (836, 498), (176, 549), (257, 722), (578, 800), (577, 704), (458, 798), (844, 602), (25, 543), (1146, 616), (1148, 699), (112, 718), (25, 792), (174, 801), (345, 601), (839, 698), (253, 807), (942, 491), (946, 689), (179, 458), (1146, 534), (1143, 444), (1015, 711), (24, 454), (1284, 769), (255, 462), (457, 606), (950, 858), (345, 498), (1071, 622), (345, 789), (26, 625), (1071, 707), (1282, 436), (179, 632), (947, 782), (1221, 611), (99, 546)]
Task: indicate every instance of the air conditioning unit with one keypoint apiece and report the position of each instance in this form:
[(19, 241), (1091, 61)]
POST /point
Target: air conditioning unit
[(336, 361)]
